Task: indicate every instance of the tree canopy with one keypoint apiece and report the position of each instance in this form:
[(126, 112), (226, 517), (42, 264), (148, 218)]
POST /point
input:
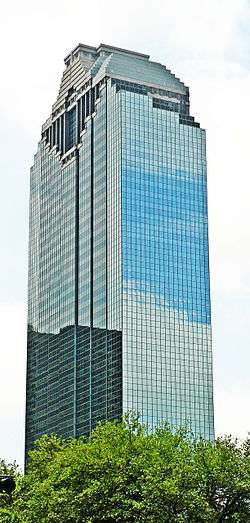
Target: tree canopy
[(123, 474)]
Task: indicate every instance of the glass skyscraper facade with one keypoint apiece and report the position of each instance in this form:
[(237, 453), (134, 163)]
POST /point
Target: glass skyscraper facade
[(119, 301)]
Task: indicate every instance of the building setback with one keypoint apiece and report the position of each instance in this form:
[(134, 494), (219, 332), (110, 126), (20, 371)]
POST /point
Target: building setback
[(119, 300)]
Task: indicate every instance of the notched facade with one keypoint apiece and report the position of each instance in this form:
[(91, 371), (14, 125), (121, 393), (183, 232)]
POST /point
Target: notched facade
[(119, 300)]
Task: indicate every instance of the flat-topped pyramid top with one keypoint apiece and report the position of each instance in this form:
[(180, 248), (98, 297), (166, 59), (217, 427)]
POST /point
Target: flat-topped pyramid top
[(87, 64), (90, 52)]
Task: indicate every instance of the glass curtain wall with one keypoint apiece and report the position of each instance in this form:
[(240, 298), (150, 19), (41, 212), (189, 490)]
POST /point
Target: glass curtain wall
[(119, 301), (167, 360)]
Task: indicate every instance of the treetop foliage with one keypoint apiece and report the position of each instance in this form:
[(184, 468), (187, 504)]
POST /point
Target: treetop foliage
[(121, 473)]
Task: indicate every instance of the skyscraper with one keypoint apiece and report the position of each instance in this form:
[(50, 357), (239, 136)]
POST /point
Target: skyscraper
[(119, 301)]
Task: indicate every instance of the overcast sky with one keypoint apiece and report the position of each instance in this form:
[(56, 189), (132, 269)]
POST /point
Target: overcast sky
[(205, 43)]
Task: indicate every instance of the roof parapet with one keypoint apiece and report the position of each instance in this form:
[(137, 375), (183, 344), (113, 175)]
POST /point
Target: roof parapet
[(90, 52), (110, 48), (87, 51)]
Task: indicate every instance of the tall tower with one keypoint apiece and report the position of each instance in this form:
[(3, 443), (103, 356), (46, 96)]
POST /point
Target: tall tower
[(119, 301)]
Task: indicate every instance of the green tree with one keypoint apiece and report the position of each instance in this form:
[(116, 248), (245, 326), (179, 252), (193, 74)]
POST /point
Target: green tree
[(6, 501), (121, 473)]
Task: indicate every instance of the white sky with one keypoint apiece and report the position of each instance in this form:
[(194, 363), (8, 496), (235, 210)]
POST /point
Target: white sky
[(206, 44)]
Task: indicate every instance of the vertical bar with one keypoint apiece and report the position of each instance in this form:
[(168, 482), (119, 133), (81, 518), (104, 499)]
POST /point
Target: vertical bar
[(76, 289), (53, 134), (75, 381), (91, 257), (106, 239), (78, 121), (64, 133), (57, 132), (83, 112), (76, 236)]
